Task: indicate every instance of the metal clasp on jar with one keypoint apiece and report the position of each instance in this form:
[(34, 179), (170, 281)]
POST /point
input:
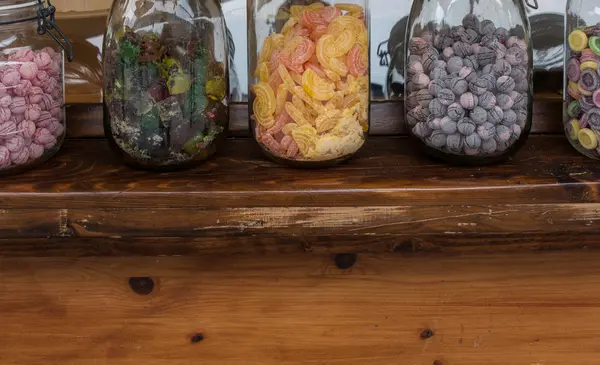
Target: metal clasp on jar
[(47, 24)]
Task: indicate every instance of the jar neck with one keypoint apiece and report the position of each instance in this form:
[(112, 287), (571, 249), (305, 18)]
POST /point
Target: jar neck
[(17, 10)]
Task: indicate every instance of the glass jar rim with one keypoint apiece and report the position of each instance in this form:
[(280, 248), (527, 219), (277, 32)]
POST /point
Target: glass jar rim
[(20, 6)]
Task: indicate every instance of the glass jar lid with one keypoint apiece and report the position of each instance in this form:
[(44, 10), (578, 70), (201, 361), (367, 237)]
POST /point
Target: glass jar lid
[(41, 11)]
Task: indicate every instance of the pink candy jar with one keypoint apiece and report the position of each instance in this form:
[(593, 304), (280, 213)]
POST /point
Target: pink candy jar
[(32, 100)]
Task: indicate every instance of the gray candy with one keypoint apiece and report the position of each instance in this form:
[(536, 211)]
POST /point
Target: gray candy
[(516, 131), (486, 131), (478, 86), (429, 57), (501, 34), (415, 116), (479, 115), (414, 58), (440, 64), (487, 39), (522, 86), (437, 109), (443, 40), (505, 102), (502, 146), (473, 141), (470, 21), (491, 80), (421, 130), (515, 55), (456, 111), (586, 103), (455, 63), (518, 73), (471, 61), (505, 84), (489, 146), (455, 142), (502, 68), (468, 36), (488, 70), (522, 116), (424, 98), (438, 73), (466, 126), (503, 133), (446, 97), (435, 86), (487, 100), (510, 117), (411, 101), (434, 122), (499, 48), (486, 56), (519, 100), (437, 139), (458, 86), (468, 74), (486, 27), (495, 115), (462, 49), (448, 125), (469, 101)]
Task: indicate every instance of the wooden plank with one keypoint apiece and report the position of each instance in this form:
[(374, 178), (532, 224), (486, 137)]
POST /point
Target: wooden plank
[(388, 172), (302, 309), (387, 118)]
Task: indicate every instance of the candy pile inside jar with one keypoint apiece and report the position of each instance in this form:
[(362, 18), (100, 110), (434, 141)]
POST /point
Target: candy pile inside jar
[(468, 88), (166, 97), (311, 101), (583, 74), (31, 102)]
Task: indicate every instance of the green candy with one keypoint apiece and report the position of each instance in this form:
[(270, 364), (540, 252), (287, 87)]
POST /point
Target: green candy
[(574, 109), (594, 43), (149, 122)]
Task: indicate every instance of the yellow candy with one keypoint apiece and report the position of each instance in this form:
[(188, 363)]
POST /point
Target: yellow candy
[(278, 41), (352, 8), (363, 39), (327, 121), (316, 87), (336, 101), (574, 132), (305, 137), (297, 78), (335, 64), (342, 44), (315, 6), (588, 139), (262, 72), (265, 103), (286, 77), (589, 65), (341, 23), (266, 51), (364, 83), (282, 94), (289, 25), (350, 101), (317, 106), (296, 10), (265, 121), (288, 128), (333, 76), (296, 114), (578, 40), (290, 46)]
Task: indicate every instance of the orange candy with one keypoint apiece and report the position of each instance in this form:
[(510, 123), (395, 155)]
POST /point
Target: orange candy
[(311, 19), (303, 52), (357, 61), (329, 13)]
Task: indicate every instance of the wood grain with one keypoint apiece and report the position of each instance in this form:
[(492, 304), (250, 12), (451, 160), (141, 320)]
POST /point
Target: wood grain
[(301, 309), (387, 118), (389, 198)]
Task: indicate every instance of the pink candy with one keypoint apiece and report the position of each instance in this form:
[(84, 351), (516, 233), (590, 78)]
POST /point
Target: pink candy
[(35, 95), (28, 70), (23, 54), (43, 136), (7, 129), (35, 151), (22, 88), (46, 102), (5, 114), (5, 101), (42, 60), (11, 78), (4, 157), (27, 129), (20, 157), (50, 85), (33, 112), (15, 143), (56, 128), (18, 105)]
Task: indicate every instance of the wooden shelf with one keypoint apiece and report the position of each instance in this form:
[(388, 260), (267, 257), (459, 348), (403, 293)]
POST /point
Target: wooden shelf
[(389, 198)]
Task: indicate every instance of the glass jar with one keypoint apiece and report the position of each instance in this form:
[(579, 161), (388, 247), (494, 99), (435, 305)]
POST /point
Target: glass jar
[(309, 79), (32, 99), (469, 72), (581, 112), (166, 82)]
